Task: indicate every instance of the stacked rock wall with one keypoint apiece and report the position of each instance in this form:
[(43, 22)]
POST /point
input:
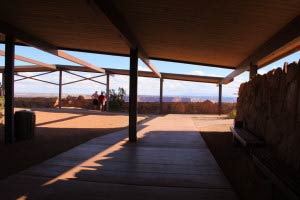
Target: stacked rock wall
[(206, 107), (52, 102), (79, 102), (269, 106), (35, 102)]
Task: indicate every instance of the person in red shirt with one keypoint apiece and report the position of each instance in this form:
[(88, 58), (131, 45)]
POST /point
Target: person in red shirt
[(102, 101)]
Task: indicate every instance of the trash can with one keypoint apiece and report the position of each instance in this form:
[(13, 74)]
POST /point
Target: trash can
[(24, 124)]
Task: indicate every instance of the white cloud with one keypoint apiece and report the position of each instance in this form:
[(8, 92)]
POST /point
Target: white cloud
[(232, 88), (202, 73), (262, 71), (198, 72)]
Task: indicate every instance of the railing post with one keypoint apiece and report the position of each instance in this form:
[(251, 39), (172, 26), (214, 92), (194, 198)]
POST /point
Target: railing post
[(253, 71), (9, 89), (220, 100), (161, 95), (133, 81), (2, 86)]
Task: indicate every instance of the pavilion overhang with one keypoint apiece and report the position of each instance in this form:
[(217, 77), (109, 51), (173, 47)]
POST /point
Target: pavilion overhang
[(199, 32), (283, 43)]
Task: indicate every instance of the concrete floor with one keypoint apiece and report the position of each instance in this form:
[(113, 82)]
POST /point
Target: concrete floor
[(169, 161)]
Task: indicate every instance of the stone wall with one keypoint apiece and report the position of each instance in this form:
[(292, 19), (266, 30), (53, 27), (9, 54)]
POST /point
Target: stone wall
[(46, 102), (269, 106), (35, 102), (79, 102), (206, 107)]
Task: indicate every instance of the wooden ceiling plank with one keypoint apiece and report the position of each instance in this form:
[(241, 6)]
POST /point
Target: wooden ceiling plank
[(44, 46), (109, 9), (288, 33)]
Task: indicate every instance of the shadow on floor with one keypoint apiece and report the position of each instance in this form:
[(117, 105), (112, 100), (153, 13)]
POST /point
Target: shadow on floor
[(237, 166), (61, 120), (77, 111), (47, 143), (119, 169)]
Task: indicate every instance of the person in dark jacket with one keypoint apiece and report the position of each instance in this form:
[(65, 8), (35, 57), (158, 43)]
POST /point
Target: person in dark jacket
[(102, 101), (95, 97)]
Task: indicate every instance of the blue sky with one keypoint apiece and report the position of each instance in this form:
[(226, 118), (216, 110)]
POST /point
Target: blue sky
[(146, 86)]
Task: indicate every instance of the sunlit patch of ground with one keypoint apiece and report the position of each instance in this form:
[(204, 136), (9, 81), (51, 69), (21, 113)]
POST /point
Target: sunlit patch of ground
[(213, 123)]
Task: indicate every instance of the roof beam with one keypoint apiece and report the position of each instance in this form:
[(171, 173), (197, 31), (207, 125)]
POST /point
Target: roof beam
[(28, 60), (170, 76), (193, 63), (116, 18), (126, 55), (44, 46), (289, 35), (30, 68)]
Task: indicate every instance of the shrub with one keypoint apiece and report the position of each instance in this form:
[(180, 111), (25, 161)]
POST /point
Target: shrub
[(116, 99), (232, 114), (1, 103), (1, 109)]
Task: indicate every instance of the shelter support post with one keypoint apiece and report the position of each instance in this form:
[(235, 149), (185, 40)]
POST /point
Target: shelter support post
[(3, 84), (161, 95), (107, 92), (133, 81), (220, 100), (253, 71), (9, 89), (60, 89)]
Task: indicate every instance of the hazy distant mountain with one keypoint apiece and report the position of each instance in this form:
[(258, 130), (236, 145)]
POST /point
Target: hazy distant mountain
[(143, 98), (149, 98)]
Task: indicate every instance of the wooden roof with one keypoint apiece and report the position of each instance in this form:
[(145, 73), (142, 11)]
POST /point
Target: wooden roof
[(221, 33)]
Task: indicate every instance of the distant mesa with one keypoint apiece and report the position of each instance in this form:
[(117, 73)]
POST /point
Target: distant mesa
[(141, 98)]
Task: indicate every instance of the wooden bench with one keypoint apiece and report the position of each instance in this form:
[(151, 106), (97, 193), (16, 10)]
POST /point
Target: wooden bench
[(245, 137), (285, 179)]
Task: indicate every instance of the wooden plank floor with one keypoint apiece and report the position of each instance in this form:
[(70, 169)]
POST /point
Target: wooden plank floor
[(170, 161)]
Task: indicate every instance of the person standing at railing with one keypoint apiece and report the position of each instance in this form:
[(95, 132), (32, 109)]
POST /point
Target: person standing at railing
[(102, 101), (95, 97)]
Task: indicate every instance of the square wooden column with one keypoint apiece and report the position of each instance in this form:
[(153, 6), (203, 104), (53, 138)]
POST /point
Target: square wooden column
[(107, 92), (253, 71), (220, 100), (9, 127), (133, 82), (60, 89), (3, 84), (161, 88)]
